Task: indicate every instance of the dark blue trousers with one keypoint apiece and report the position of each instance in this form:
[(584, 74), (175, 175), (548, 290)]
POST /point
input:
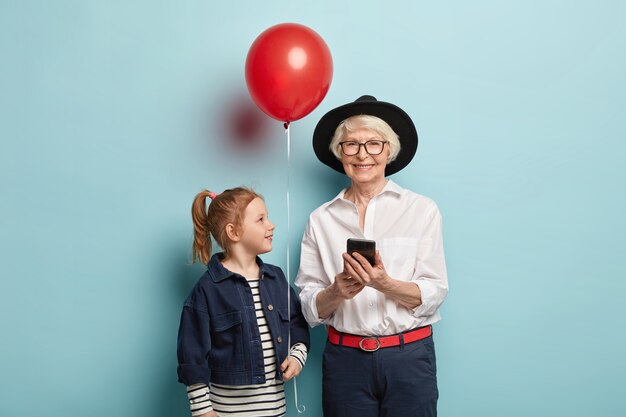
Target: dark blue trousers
[(391, 382)]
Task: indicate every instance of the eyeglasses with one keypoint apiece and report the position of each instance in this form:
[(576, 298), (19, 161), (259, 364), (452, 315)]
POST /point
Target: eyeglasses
[(372, 147)]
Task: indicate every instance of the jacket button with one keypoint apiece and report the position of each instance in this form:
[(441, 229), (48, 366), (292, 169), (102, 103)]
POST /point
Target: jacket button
[(270, 307), (279, 339)]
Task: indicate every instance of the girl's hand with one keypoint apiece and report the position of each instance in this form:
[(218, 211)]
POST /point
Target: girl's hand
[(360, 269), (291, 368), (209, 414)]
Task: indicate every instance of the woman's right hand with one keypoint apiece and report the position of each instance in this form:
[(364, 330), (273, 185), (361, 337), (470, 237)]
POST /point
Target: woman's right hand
[(345, 286)]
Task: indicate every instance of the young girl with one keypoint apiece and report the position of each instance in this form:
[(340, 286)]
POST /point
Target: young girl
[(235, 326)]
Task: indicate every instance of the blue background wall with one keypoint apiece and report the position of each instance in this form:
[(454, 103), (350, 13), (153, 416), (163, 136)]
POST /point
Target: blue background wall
[(115, 113)]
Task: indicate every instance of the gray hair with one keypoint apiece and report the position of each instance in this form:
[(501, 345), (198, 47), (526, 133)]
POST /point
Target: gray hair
[(366, 121)]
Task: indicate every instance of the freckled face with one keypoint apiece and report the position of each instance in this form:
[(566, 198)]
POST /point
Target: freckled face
[(258, 231)]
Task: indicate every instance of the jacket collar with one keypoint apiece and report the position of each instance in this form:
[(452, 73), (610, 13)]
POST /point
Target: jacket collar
[(219, 273)]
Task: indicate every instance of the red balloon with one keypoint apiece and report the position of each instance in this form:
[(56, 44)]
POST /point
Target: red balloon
[(288, 71)]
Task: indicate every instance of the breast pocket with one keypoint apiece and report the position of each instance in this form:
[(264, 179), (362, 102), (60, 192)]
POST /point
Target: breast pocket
[(227, 342), (283, 322), (399, 256)]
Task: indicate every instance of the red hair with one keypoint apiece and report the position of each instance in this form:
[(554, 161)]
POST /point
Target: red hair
[(225, 208)]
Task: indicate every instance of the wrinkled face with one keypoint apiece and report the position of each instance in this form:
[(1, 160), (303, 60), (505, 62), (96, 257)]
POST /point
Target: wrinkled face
[(363, 167), (257, 230)]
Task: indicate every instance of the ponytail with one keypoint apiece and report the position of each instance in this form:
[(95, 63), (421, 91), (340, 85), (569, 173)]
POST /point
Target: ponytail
[(201, 249), (227, 207)]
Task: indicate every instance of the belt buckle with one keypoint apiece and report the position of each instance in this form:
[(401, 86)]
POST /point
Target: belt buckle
[(366, 349)]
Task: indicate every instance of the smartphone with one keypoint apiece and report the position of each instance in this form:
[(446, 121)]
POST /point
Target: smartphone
[(365, 247)]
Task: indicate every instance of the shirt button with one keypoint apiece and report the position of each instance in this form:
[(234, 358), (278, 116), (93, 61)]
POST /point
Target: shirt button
[(270, 307), (279, 339)]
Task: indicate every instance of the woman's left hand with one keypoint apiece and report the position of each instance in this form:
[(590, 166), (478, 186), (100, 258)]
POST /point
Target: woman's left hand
[(360, 269), (291, 368)]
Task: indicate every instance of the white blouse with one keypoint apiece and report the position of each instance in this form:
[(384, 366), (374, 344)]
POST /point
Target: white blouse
[(408, 233)]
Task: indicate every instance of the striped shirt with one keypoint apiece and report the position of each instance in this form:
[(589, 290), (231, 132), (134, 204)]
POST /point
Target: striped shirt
[(259, 400)]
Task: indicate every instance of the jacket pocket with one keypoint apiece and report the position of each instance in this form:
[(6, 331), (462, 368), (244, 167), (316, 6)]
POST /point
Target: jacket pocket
[(227, 342), (283, 322), (283, 314)]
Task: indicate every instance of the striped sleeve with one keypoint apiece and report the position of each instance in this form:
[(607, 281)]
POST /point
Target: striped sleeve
[(299, 352), (199, 399)]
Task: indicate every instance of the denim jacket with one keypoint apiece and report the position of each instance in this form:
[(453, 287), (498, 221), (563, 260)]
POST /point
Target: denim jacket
[(218, 338)]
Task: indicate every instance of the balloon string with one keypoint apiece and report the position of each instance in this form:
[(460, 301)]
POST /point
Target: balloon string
[(287, 130), (300, 407), (288, 210)]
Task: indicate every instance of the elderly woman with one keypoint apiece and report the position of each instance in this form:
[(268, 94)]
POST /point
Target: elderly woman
[(379, 359)]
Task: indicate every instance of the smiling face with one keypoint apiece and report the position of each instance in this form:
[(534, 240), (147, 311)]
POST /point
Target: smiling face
[(364, 168), (257, 230)]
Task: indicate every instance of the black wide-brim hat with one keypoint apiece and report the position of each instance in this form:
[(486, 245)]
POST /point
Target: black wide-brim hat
[(395, 117)]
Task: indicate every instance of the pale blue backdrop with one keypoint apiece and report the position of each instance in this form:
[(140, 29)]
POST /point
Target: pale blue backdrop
[(113, 114)]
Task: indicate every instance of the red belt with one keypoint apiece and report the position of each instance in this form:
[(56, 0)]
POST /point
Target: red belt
[(373, 343)]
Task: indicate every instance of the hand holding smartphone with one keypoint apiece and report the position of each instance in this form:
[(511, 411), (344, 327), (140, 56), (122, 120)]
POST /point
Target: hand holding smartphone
[(365, 247)]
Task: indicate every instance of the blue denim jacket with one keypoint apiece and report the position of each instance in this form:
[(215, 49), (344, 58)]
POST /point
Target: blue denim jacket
[(218, 338)]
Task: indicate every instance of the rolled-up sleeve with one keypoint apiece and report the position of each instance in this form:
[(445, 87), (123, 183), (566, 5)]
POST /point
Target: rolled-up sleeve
[(194, 344), (430, 271), (311, 278)]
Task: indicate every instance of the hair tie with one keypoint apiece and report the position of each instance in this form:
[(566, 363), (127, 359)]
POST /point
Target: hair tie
[(212, 195)]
